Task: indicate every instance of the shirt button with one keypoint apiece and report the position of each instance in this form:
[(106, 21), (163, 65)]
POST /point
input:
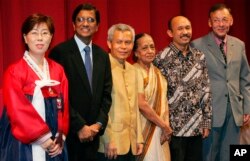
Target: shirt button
[(225, 67), (225, 95)]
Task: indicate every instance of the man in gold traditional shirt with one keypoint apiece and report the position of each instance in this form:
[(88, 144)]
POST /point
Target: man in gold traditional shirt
[(122, 139)]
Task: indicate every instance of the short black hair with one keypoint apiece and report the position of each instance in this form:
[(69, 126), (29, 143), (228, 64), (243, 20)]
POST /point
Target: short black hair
[(170, 23), (218, 6), (86, 6)]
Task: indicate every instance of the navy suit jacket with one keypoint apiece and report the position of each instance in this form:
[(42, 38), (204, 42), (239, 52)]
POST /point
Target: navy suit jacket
[(86, 107)]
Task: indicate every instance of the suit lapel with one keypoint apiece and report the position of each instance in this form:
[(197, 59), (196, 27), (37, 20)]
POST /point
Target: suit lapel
[(96, 65), (230, 49), (214, 49), (78, 62)]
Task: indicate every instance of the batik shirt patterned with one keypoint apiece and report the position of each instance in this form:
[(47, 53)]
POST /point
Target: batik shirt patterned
[(188, 90)]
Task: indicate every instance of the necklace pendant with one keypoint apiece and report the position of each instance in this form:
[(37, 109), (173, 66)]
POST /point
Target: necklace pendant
[(51, 92)]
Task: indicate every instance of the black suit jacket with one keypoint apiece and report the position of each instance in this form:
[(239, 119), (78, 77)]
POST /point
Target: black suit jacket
[(86, 107)]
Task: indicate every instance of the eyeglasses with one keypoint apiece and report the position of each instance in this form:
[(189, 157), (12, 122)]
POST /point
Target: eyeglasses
[(82, 19), (218, 21), (37, 34)]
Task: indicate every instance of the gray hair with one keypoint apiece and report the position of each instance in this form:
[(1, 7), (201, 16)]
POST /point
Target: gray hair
[(120, 27)]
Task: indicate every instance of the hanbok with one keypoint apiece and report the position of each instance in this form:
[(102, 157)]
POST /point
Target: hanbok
[(35, 109)]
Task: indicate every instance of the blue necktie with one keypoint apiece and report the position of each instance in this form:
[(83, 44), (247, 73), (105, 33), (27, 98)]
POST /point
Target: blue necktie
[(88, 65)]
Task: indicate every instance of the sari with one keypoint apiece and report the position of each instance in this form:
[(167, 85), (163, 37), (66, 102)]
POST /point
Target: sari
[(154, 87)]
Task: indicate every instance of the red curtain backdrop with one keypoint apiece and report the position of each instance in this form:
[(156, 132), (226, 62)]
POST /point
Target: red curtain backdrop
[(149, 16)]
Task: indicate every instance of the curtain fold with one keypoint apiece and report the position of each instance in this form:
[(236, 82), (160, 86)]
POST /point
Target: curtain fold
[(1, 49), (149, 16)]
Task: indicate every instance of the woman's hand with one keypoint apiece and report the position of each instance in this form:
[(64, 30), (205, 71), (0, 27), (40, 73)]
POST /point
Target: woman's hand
[(52, 147)]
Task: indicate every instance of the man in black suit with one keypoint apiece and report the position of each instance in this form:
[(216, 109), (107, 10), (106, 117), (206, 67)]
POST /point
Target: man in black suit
[(90, 83)]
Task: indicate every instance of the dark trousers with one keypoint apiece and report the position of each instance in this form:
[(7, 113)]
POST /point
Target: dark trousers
[(127, 157), (186, 148)]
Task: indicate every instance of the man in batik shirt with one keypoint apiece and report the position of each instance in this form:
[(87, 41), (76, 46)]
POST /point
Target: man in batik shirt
[(189, 97)]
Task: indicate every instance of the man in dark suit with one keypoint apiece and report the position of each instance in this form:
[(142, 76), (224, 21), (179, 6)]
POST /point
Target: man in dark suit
[(88, 70), (229, 74)]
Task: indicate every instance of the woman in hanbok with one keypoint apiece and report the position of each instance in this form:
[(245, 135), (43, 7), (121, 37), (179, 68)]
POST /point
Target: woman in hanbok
[(35, 118), (153, 102)]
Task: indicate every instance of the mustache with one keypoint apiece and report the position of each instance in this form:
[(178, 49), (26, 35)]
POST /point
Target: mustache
[(186, 35)]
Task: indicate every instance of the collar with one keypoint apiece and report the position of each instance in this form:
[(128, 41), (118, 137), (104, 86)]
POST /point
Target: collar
[(115, 63), (42, 74), (81, 45), (179, 52), (218, 40)]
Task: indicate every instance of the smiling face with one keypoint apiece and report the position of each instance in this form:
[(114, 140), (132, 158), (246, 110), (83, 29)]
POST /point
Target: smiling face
[(85, 25), (181, 31), (220, 22), (145, 51), (38, 39), (121, 45)]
